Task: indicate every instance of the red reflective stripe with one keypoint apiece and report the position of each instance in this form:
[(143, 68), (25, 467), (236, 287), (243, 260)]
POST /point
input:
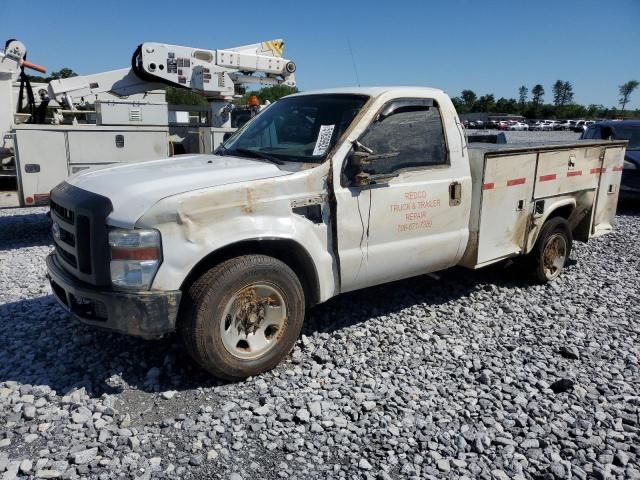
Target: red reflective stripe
[(575, 173), (598, 170), (516, 181), (488, 186), (618, 168), (546, 178)]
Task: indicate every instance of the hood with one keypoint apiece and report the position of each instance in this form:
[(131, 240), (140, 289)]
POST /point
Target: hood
[(134, 187), (633, 156)]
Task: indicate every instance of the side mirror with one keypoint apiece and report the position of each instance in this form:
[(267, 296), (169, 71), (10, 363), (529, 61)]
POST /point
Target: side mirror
[(356, 162), (362, 159)]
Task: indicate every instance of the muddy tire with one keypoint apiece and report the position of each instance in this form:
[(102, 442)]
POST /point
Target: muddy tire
[(551, 251), (242, 317)]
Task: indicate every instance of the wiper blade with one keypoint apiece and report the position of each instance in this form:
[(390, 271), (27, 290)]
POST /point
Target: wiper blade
[(260, 155)]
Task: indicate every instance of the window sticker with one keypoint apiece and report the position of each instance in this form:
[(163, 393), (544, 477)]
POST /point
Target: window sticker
[(324, 139)]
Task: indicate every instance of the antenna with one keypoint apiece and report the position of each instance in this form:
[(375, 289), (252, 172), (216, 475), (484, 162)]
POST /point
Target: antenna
[(353, 60)]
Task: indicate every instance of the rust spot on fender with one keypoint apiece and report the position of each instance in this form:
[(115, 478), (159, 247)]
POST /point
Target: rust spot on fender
[(249, 206)]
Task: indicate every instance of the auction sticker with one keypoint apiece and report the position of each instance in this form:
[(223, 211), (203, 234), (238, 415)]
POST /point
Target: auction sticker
[(324, 139)]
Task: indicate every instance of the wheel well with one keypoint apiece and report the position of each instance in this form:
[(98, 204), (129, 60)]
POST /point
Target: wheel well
[(564, 212), (287, 251)]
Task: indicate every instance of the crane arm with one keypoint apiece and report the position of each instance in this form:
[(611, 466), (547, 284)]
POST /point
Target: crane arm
[(214, 73)]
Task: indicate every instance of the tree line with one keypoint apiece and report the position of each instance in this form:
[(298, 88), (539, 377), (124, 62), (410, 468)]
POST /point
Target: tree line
[(62, 73), (534, 106)]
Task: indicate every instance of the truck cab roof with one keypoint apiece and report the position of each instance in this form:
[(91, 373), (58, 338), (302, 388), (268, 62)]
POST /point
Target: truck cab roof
[(376, 91)]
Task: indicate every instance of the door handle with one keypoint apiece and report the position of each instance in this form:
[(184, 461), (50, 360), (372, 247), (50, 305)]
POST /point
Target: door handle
[(455, 194)]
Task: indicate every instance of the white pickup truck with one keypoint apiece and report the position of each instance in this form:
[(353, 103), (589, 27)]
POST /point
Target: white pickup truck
[(322, 193)]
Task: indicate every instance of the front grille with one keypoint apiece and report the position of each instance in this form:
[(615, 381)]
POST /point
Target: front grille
[(67, 257), (67, 237), (81, 235), (62, 213)]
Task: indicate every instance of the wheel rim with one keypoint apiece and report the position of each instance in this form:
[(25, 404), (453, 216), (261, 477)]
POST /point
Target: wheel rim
[(554, 256), (253, 321)]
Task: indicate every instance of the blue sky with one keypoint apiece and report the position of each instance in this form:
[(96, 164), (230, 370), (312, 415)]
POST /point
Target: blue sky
[(489, 46)]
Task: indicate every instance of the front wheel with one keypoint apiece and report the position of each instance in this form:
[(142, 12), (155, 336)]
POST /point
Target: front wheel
[(552, 250), (242, 317)]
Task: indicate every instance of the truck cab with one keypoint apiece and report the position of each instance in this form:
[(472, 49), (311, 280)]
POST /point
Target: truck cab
[(322, 193)]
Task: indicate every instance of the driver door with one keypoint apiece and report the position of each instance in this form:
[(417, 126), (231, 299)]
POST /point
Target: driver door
[(404, 215)]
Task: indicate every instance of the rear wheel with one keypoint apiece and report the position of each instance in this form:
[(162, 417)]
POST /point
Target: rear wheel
[(242, 317), (552, 250)]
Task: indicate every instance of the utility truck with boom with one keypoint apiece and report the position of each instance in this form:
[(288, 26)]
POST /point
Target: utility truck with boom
[(121, 116), (321, 193)]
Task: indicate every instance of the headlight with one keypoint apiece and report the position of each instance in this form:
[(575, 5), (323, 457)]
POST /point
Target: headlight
[(629, 165), (135, 258)]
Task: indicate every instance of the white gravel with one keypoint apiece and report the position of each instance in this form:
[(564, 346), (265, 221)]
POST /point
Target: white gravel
[(422, 378)]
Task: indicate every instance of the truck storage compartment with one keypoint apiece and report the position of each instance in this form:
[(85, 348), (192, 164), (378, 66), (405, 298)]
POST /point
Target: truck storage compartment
[(608, 191), (509, 180), (568, 170), (47, 154), (507, 188)]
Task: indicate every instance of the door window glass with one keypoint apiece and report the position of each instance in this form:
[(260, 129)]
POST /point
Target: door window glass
[(409, 138)]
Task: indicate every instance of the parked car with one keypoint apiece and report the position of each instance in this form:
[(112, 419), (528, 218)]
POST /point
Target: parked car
[(515, 125), (565, 125), (544, 125), (581, 125), (578, 127), (621, 130)]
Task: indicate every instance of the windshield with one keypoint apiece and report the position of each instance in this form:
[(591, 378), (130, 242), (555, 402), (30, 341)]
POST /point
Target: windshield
[(629, 133), (298, 129)]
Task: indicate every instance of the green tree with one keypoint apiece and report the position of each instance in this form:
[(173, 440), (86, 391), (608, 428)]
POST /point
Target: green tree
[(507, 105), (574, 111), (522, 96), (469, 98), (184, 96), (547, 110), (459, 105), (275, 92), (538, 94), (626, 89), (62, 73), (558, 89), (567, 93), (267, 93), (593, 109), (486, 103)]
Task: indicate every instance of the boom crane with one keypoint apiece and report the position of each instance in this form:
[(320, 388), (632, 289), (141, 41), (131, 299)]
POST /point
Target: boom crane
[(216, 74), (121, 115)]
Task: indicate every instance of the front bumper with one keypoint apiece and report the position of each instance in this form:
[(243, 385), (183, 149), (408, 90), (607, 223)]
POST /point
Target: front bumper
[(141, 314)]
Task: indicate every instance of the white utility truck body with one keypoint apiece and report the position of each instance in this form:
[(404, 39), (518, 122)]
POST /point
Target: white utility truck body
[(345, 189)]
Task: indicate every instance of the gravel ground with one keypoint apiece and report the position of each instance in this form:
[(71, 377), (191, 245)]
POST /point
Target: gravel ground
[(475, 375)]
